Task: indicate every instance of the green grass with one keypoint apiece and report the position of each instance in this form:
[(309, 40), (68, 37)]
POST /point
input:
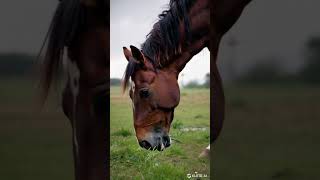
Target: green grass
[(34, 144), (130, 161), (270, 132), (122, 132)]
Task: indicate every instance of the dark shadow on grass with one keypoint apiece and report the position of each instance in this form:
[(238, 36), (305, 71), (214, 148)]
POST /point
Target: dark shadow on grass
[(122, 132), (284, 173)]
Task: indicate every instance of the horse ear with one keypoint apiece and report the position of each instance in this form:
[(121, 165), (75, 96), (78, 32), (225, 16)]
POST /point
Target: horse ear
[(127, 53), (137, 54)]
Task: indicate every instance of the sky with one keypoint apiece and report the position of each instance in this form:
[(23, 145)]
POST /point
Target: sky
[(266, 28), (23, 24), (271, 28), (130, 22)]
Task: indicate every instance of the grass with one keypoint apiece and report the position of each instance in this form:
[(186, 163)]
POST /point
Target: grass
[(129, 161), (122, 132), (34, 144), (270, 132)]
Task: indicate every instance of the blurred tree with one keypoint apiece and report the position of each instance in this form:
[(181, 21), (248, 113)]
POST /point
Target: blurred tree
[(197, 84), (232, 43), (115, 82), (193, 84), (266, 70), (16, 64), (311, 70), (206, 83)]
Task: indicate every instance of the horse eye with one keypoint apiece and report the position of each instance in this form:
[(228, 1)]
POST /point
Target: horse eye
[(144, 93)]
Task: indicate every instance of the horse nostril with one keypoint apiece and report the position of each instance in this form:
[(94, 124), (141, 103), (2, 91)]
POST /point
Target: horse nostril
[(145, 144), (166, 141)]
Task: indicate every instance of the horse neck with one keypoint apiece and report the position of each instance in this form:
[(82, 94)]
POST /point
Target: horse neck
[(199, 16), (225, 13), (89, 48)]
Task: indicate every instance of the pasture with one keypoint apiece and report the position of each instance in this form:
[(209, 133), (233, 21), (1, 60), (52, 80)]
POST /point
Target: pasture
[(270, 132), (34, 144), (130, 161)]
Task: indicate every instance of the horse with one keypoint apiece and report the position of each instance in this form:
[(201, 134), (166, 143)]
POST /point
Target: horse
[(224, 14), (78, 39), (181, 32)]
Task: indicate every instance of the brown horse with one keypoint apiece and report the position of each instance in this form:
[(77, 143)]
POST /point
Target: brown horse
[(182, 31), (80, 31), (224, 14)]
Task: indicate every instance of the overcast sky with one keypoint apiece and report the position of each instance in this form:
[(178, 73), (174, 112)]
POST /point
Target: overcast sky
[(266, 28), (273, 28), (130, 22), (24, 23)]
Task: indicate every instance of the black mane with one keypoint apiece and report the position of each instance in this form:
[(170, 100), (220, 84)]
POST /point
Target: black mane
[(163, 41), (69, 19)]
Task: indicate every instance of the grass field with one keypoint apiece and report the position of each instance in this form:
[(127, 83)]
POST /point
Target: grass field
[(270, 132), (34, 145), (130, 161)]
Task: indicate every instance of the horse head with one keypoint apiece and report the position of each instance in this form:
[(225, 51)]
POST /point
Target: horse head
[(155, 94)]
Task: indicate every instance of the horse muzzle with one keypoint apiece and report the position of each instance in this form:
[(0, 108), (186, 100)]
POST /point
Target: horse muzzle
[(155, 141)]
